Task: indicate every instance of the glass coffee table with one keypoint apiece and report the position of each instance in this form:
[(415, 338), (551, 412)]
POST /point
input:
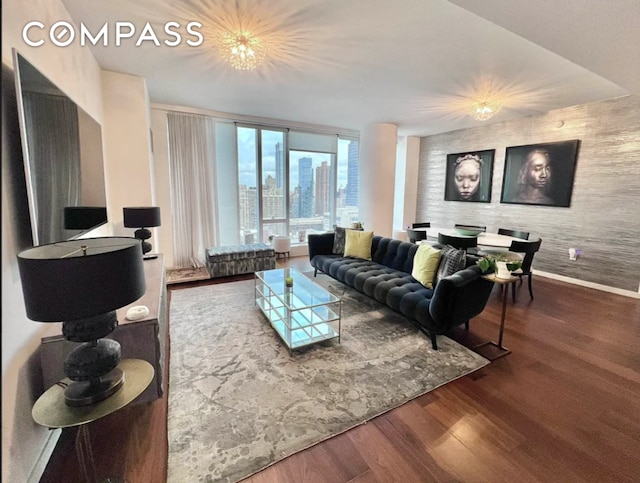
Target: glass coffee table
[(302, 314)]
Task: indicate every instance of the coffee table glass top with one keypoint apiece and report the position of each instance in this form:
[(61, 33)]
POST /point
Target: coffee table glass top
[(304, 292), (302, 314)]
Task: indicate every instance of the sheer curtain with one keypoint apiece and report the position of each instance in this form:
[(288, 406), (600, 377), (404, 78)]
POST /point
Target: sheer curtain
[(54, 160), (192, 164)]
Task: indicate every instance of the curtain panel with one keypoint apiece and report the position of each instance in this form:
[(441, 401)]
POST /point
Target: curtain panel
[(193, 198)]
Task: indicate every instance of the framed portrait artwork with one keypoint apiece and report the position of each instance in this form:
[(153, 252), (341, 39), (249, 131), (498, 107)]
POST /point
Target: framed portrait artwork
[(540, 174), (469, 176)]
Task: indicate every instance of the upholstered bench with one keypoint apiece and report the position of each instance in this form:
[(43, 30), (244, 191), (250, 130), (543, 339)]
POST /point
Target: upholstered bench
[(239, 259)]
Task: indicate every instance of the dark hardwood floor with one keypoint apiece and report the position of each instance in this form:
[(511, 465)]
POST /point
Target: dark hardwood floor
[(564, 406)]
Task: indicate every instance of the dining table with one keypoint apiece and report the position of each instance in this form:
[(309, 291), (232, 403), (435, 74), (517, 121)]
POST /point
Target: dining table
[(488, 241)]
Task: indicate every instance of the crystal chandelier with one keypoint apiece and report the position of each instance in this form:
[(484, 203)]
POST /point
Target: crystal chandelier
[(242, 50), (484, 110)]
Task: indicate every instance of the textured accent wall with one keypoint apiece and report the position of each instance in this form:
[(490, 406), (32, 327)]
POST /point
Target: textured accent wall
[(604, 217)]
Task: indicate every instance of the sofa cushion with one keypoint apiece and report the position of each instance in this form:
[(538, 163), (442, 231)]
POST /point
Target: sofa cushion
[(338, 240), (452, 260), (425, 264), (358, 244)]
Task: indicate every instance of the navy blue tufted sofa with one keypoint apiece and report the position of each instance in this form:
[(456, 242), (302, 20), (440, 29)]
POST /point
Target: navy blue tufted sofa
[(387, 278)]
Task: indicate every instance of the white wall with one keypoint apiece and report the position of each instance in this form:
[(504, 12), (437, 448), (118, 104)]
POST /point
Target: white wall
[(76, 72), (406, 190), (130, 173), (377, 175), (162, 182)]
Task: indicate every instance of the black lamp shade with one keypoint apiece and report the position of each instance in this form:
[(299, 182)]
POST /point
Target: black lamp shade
[(141, 216), (84, 217), (74, 279)]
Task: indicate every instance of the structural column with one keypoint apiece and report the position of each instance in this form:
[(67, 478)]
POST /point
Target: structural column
[(377, 177)]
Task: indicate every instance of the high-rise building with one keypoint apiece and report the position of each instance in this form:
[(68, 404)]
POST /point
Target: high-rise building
[(272, 200), (248, 207), (305, 180), (353, 171), (323, 193), (280, 171)]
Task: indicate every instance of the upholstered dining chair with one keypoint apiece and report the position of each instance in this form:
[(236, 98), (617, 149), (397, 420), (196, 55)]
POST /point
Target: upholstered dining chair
[(421, 225), (416, 235), (464, 242), (471, 227), (515, 233), (528, 249)]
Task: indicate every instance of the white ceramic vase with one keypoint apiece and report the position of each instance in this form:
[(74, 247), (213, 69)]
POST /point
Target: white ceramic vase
[(502, 270)]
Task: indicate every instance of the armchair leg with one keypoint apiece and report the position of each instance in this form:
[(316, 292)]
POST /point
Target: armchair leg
[(315, 272), (530, 288), (466, 326)]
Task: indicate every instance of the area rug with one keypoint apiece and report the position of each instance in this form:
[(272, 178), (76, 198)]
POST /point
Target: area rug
[(238, 402), (180, 275)]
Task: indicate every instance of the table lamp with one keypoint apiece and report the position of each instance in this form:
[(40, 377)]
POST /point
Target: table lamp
[(81, 283), (142, 217)]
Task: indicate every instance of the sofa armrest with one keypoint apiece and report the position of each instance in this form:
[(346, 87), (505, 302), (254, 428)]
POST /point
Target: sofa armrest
[(460, 297), (320, 244)]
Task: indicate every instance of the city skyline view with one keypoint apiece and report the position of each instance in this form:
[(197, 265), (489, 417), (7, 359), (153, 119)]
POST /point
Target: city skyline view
[(247, 158)]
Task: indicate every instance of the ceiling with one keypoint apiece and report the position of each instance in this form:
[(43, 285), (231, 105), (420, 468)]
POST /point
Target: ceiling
[(414, 63)]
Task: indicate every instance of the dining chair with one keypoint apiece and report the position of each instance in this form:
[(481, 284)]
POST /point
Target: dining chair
[(471, 227), (515, 233), (421, 225), (416, 235), (464, 242), (529, 249)]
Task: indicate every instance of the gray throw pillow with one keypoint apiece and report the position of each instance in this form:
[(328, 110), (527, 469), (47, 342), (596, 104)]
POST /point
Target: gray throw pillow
[(452, 260), (339, 239)]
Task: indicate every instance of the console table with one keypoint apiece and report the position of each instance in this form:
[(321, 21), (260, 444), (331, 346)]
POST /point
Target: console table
[(140, 339)]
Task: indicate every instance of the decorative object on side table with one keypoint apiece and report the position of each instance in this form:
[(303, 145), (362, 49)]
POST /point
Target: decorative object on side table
[(288, 282), (502, 263), (143, 218), (82, 283)]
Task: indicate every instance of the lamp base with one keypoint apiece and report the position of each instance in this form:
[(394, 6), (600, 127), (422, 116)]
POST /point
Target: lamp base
[(84, 393)]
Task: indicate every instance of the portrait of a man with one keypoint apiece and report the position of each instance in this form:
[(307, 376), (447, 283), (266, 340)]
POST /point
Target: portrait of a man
[(540, 174), (469, 176)]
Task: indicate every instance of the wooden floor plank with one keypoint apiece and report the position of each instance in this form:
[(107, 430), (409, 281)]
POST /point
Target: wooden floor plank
[(563, 406)]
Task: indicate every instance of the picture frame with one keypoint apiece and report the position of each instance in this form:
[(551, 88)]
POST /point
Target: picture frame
[(540, 174), (469, 176)]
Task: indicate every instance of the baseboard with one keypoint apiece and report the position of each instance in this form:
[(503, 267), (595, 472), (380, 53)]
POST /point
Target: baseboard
[(584, 283), (45, 454)]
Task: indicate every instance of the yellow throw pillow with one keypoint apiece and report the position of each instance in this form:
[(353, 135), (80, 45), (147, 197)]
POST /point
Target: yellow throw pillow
[(358, 244), (425, 264)]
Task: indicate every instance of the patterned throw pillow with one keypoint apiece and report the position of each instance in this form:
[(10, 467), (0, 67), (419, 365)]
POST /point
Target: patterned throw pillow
[(339, 239), (452, 260)]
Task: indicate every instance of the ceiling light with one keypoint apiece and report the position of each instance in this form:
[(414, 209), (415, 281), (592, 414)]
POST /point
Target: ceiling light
[(484, 110), (242, 50)]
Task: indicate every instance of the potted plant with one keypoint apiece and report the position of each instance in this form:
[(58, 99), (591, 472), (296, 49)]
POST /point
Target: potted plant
[(502, 263), (288, 282)]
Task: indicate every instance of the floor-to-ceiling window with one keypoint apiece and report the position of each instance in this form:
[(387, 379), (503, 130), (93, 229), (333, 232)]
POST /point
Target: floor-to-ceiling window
[(294, 183), (311, 178), (347, 195)]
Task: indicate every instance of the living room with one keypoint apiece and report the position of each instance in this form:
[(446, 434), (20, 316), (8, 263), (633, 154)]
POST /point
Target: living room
[(601, 221)]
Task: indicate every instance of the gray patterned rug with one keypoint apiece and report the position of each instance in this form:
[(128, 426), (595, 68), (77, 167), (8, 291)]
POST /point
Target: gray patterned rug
[(239, 403)]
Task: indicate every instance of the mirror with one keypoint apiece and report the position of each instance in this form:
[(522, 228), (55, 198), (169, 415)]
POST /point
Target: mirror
[(62, 149)]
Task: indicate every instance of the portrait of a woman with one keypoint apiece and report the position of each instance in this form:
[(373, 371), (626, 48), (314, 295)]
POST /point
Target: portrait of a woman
[(469, 176), (540, 174)]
